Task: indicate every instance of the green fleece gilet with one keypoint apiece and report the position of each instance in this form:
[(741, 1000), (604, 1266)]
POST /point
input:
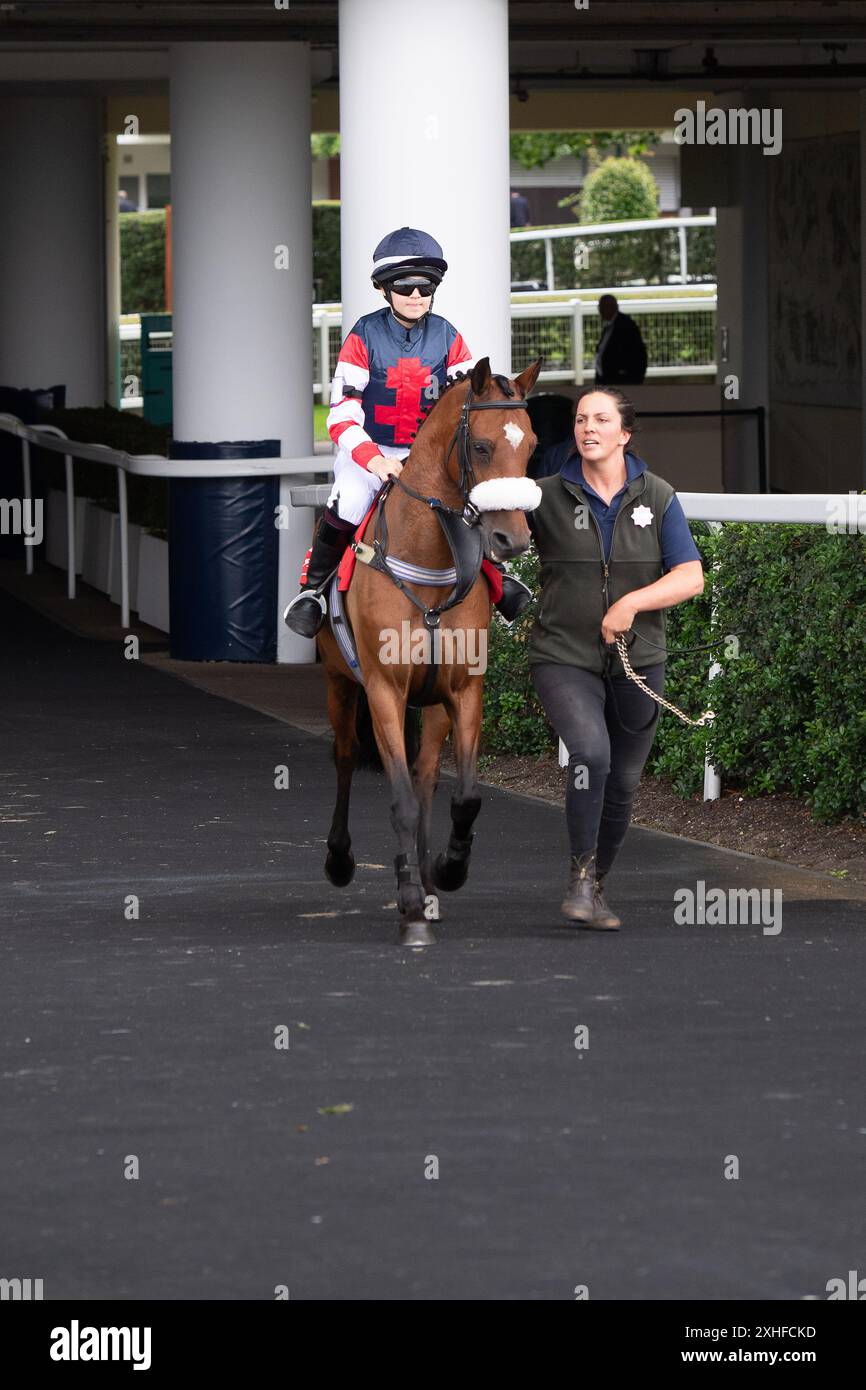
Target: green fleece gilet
[(577, 588)]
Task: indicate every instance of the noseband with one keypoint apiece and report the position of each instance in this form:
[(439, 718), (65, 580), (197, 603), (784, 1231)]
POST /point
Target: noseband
[(467, 480)]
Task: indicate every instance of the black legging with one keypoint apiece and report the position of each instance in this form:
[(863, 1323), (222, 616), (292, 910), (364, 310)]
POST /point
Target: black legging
[(595, 720)]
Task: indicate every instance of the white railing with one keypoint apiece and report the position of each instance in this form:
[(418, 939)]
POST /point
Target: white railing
[(584, 232), (144, 465)]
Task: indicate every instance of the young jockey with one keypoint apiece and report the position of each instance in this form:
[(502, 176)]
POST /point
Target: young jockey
[(385, 369)]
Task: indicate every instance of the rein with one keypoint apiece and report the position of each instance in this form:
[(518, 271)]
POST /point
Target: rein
[(467, 553)]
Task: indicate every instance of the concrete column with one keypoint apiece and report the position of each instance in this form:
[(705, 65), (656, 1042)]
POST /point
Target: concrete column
[(743, 300), (243, 369), (429, 149), (51, 253)]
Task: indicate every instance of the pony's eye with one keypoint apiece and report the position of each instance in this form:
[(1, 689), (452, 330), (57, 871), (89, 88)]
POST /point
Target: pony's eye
[(481, 446)]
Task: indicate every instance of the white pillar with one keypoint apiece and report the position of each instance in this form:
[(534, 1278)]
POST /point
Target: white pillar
[(243, 367), (51, 259), (427, 146)]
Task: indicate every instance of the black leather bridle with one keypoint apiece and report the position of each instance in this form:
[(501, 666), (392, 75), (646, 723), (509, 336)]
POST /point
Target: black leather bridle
[(467, 479)]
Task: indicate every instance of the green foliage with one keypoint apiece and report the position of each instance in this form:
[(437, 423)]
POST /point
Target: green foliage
[(790, 708), (324, 146), (514, 720), (789, 697), (326, 252), (617, 190), (534, 149), (142, 262)]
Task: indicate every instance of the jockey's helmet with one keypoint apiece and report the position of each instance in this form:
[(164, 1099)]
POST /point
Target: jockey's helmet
[(407, 252)]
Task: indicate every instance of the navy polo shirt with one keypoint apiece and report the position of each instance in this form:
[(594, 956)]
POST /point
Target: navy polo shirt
[(678, 546)]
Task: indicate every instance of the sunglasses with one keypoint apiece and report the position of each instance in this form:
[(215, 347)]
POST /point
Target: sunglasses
[(405, 287)]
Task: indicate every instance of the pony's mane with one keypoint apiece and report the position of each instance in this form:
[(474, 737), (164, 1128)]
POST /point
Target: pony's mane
[(502, 382)]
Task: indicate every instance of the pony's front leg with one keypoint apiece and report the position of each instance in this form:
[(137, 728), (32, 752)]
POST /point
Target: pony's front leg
[(451, 868), (388, 712), (434, 730)]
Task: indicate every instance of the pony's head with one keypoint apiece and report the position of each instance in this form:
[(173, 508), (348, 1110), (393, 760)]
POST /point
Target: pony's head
[(490, 451)]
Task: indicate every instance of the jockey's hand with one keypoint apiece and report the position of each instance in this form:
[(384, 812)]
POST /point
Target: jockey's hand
[(618, 619), (385, 468)]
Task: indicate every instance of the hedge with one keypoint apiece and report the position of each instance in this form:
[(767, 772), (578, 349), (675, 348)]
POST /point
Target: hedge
[(142, 258), (142, 262), (790, 699)]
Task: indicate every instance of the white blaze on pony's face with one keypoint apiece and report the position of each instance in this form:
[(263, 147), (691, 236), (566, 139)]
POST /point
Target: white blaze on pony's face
[(513, 433)]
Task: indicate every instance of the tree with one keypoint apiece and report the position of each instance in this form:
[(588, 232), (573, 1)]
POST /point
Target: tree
[(534, 149)]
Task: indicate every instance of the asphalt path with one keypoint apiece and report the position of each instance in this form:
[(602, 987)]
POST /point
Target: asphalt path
[(148, 1043)]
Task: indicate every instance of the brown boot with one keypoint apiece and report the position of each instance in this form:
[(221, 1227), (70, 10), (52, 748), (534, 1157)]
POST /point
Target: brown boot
[(603, 918), (579, 902)]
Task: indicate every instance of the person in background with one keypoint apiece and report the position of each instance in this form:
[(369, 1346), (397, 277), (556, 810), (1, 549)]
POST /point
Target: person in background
[(520, 214), (124, 203), (620, 357)]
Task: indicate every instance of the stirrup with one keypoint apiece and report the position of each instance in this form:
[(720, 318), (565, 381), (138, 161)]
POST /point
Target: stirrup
[(516, 598), (300, 625)]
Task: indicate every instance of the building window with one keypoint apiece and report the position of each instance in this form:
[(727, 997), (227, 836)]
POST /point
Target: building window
[(158, 190)]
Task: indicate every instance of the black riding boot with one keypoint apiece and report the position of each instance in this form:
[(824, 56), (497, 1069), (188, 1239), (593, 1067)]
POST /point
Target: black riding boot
[(515, 595), (306, 612)]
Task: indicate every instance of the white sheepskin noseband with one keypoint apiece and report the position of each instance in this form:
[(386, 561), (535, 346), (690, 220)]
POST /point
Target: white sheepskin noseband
[(506, 495)]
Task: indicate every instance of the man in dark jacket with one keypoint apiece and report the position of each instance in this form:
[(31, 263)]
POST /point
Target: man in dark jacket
[(620, 357)]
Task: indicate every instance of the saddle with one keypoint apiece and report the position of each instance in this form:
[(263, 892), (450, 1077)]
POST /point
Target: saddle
[(466, 548)]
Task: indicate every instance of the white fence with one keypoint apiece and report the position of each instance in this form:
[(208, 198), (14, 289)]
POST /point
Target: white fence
[(677, 317)]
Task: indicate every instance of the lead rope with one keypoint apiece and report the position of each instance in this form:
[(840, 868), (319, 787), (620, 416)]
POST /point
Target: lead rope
[(705, 718)]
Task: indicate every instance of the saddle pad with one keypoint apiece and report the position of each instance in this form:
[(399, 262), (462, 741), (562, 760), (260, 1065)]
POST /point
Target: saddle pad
[(347, 564)]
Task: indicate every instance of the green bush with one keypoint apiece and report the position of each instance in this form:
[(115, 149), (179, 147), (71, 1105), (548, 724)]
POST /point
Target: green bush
[(514, 720), (789, 698), (326, 252), (142, 262), (618, 190), (142, 258)]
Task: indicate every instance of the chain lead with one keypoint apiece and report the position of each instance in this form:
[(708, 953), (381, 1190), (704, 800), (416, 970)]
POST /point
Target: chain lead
[(705, 718)]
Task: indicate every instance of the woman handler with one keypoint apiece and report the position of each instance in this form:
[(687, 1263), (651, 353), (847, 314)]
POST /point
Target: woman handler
[(614, 545)]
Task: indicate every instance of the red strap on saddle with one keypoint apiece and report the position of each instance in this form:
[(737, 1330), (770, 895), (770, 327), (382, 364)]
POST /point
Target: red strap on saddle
[(494, 579), (347, 564)]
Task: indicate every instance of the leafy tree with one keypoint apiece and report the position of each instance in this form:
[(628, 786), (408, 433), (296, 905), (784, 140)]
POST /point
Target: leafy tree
[(534, 149)]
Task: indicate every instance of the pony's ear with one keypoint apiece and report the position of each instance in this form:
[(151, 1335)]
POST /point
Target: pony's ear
[(529, 376), (480, 377)]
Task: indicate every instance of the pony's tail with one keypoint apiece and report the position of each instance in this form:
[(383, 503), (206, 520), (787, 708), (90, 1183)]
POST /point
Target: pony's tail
[(368, 755)]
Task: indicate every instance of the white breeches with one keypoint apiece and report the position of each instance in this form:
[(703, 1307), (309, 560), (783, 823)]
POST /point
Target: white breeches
[(354, 488)]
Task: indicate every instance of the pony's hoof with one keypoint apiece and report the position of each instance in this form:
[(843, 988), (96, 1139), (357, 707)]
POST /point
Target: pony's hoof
[(340, 868), (417, 933), (450, 874)]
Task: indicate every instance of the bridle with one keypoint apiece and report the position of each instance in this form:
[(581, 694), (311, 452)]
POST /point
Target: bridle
[(466, 479)]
